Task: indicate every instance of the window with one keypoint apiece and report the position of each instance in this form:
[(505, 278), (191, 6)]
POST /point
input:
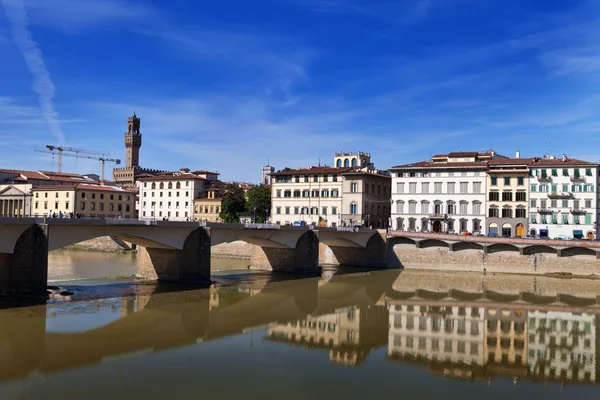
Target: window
[(424, 207), (565, 172), (297, 179), (278, 193), (476, 208), (544, 188), (588, 172), (507, 181), (521, 196), (588, 219), (520, 213), (554, 172), (565, 203), (354, 187), (565, 219), (56, 204), (476, 187), (278, 210), (464, 187), (438, 187), (588, 204), (463, 208), (533, 188), (553, 203), (316, 178), (425, 187), (451, 187), (334, 178), (521, 181), (306, 178), (353, 208), (506, 196), (576, 204), (287, 210), (493, 212), (494, 181), (296, 210), (333, 210), (400, 188), (412, 207), (507, 213), (494, 196), (412, 187), (325, 178)]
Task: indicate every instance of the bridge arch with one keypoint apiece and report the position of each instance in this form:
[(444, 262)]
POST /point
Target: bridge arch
[(401, 240), (501, 247), (467, 246), (429, 243), (539, 249), (578, 251)]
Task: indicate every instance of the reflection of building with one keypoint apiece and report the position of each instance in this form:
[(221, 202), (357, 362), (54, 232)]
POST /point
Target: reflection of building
[(353, 192), (447, 335), (562, 346), (349, 333), (506, 340)]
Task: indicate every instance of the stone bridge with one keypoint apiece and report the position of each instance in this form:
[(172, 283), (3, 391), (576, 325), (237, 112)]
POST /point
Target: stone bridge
[(179, 251), (483, 254)]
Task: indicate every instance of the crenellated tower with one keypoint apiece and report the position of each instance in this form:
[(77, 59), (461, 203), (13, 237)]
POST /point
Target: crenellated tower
[(133, 142)]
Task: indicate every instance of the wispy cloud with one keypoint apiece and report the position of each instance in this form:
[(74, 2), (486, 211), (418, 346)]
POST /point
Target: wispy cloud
[(74, 15), (42, 83)]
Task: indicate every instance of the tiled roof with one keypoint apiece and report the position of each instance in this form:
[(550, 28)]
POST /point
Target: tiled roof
[(438, 165), (511, 161), (172, 176), (463, 154), (26, 174), (85, 186), (313, 171), (557, 162)]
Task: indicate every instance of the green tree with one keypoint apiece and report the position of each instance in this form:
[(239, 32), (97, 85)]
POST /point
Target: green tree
[(233, 204), (259, 201)]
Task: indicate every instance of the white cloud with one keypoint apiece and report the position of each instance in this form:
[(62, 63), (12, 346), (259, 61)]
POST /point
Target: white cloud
[(42, 83)]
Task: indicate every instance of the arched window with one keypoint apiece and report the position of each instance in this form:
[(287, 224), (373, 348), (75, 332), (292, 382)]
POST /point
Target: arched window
[(354, 162), (162, 185), (346, 163), (178, 185), (339, 163), (170, 185), (353, 208), (153, 185)]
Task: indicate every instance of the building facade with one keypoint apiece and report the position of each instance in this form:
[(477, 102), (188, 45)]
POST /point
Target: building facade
[(171, 195), (332, 196), (563, 198), (133, 141), (444, 194), (88, 200), (507, 205), (267, 170), (207, 207), (15, 200)]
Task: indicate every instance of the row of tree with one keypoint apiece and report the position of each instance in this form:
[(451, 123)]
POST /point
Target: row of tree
[(257, 203)]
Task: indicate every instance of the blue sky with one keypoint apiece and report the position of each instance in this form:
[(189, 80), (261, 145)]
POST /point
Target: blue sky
[(227, 84)]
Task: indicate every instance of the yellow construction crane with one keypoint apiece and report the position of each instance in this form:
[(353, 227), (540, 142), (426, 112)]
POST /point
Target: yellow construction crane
[(58, 150)]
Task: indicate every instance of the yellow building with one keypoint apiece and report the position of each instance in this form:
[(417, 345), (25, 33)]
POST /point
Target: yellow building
[(88, 200), (507, 183), (208, 207)]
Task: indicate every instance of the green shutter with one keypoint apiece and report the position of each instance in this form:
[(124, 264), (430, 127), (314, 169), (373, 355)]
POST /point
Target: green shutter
[(588, 219)]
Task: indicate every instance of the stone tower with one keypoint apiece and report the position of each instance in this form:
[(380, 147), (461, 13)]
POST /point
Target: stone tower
[(266, 175), (133, 142)]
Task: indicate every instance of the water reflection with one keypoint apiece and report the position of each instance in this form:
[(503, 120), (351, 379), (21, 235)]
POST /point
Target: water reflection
[(384, 320)]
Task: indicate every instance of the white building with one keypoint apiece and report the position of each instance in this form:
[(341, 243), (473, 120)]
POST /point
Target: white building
[(562, 346), (171, 195), (445, 194), (563, 198)]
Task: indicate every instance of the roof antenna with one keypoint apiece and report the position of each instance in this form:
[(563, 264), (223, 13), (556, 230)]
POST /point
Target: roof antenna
[(319, 162)]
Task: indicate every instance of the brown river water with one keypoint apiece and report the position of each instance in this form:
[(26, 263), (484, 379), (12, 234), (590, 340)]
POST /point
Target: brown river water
[(346, 333)]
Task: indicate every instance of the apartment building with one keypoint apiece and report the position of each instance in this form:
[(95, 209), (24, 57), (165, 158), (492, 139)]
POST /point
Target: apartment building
[(89, 200), (352, 193), (444, 194), (507, 186), (563, 198), (208, 207), (171, 195)]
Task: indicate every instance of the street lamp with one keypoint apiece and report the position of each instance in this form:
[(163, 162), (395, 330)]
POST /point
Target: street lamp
[(254, 218)]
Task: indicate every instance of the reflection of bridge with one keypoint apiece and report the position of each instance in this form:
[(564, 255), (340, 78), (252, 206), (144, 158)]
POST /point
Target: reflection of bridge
[(179, 251), (171, 320)]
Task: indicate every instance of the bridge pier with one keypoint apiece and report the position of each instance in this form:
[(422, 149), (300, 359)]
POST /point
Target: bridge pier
[(305, 257), (191, 264), (25, 271)]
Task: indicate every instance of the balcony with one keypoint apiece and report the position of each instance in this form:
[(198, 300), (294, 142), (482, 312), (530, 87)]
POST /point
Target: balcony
[(578, 211), (545, 211), (577, 178), (544, 178), (438, 216), (560, 195)]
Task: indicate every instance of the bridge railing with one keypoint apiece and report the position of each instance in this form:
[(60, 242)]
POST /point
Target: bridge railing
[(129, 221), (262, 226)]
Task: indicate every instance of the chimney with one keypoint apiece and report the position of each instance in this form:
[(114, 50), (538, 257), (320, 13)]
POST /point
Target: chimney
[(493, 153), (518, 155), (564, 157)]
